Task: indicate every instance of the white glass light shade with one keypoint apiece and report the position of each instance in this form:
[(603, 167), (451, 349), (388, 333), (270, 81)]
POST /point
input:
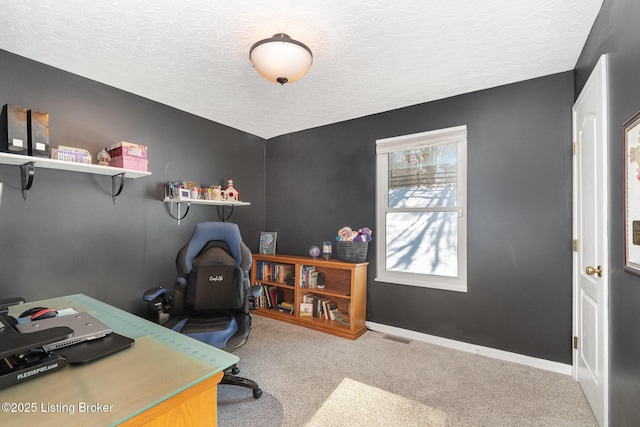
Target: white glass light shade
[(281, 59)]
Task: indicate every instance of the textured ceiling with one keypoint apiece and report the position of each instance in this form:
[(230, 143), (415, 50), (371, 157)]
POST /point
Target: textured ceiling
[(369, 55)]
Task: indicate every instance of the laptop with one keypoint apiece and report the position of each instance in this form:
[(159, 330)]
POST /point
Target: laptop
[(85, 327), (90, 351)]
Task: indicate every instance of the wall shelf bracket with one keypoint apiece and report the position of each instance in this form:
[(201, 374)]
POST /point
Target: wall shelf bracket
[(177, 216), (222, 217), (27, 172), (114, 179)]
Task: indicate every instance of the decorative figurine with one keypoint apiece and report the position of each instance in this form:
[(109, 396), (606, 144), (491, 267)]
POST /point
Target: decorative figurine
[(231, 193), (103, 157), (216, 192), (326, 249)]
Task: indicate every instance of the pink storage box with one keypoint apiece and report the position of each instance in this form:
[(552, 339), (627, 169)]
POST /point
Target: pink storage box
[(128, 151), (125, 148), (127, 144), (128, 162)]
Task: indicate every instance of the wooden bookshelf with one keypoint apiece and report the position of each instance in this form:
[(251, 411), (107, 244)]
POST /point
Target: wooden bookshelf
[(345, 285)]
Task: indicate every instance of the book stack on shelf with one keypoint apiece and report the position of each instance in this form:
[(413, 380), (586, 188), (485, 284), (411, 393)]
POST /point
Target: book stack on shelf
[(272, 272), (310, 278), (318, 306), (285, 307), (272, 297), (273, 277)]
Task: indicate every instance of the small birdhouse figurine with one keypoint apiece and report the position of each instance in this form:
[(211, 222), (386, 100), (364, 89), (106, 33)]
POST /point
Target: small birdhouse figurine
[(231, 193), (216, 193)]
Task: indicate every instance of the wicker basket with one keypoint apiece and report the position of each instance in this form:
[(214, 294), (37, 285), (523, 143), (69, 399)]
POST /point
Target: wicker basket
[(352, 251)]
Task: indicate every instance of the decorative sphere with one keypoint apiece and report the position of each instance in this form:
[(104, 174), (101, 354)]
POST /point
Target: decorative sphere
[(314, 251)]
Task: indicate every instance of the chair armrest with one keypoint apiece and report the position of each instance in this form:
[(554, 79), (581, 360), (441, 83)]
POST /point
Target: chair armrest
[(160, 305), (154, 293), (256, 291)]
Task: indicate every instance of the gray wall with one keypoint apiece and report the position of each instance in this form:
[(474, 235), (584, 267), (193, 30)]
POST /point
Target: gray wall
[(519, 295), (69, 237), (617, 33)]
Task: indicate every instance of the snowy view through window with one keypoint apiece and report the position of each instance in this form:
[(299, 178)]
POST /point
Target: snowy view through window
[(421, 223)]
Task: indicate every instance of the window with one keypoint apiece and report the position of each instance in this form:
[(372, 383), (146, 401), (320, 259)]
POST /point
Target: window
[(421, 209)]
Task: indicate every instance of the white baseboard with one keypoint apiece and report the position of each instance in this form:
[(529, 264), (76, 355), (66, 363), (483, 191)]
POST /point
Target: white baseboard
[(521, 359)]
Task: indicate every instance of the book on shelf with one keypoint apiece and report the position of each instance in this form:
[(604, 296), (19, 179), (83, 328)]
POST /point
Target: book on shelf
[(306, 309), (276, 295), (312, 300), (286, 304), (329, 310), (333, 310), (271, 297), (342, 319), (313, 279), (285, 307), (305, 275), (325, 309), (265, 297)]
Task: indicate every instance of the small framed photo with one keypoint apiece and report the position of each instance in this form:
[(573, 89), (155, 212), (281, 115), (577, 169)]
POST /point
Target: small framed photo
[(632, 194), (183, 194), (268, 242)]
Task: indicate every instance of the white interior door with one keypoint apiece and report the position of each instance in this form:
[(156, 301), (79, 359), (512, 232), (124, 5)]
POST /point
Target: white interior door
[(590, 266)]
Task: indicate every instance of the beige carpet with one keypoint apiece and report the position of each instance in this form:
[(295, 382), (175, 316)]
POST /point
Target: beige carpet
[(354, 403), (314, 379)]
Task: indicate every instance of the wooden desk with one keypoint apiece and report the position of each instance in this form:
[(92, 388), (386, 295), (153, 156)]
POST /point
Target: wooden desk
[(165, 379)]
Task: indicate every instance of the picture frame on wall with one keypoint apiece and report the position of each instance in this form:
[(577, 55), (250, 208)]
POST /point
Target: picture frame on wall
[(268, 242), (632, 194)]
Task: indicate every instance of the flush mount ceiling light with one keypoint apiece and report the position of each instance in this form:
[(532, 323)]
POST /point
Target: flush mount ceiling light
[(281, 59)]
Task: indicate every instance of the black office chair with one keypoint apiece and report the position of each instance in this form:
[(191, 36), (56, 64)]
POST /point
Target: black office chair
[(212, 298)]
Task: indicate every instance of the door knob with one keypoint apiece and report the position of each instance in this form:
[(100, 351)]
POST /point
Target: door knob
[(591, 271)]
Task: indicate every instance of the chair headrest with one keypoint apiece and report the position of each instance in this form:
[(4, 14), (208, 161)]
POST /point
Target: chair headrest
[(207, 231)]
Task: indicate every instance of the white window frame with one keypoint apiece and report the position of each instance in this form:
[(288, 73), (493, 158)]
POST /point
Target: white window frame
[(457, 135)]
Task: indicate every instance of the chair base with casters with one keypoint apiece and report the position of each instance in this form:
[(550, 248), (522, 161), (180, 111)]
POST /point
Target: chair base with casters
[(227, 324), (231, 377), (212, 299)]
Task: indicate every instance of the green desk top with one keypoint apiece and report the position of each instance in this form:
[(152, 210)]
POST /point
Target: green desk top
[(161, 364)]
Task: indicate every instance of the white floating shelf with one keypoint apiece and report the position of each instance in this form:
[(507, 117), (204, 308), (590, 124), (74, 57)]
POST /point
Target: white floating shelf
[(207, 202), (29, 164), (45, 163), (219, 203)]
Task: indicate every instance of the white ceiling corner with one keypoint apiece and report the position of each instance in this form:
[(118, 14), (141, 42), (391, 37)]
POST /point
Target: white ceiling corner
[(369, 56)]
